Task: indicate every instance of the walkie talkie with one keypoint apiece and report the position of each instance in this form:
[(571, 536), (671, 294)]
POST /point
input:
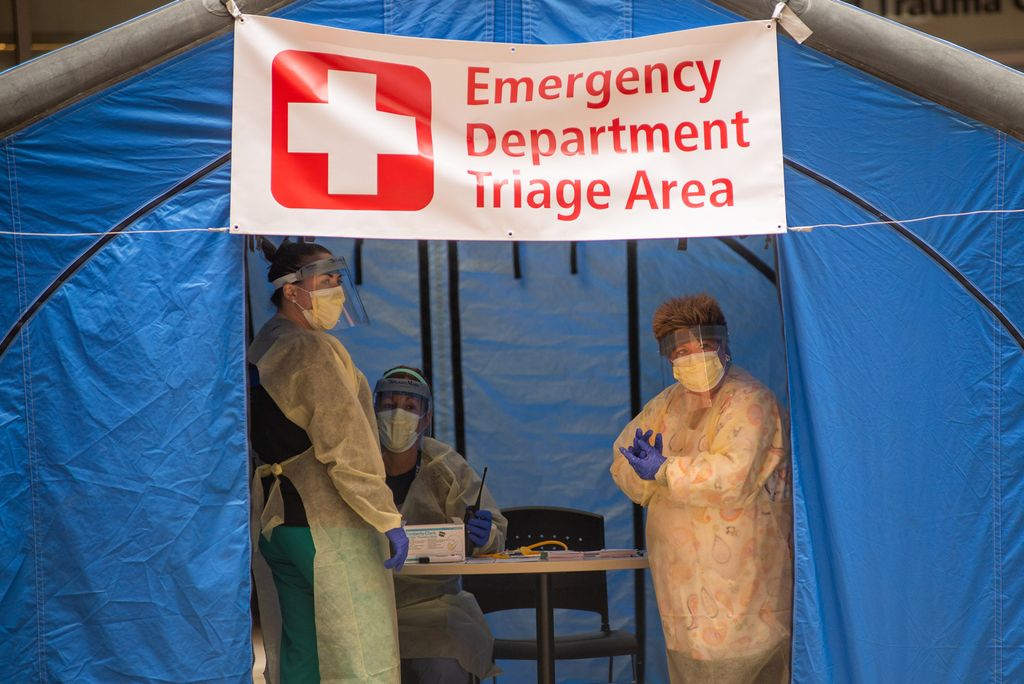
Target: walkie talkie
[(470, 510)]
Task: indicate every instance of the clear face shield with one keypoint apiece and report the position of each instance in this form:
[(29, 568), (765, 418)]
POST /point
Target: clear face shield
[(333, 300), (403, 412), (700, 358)]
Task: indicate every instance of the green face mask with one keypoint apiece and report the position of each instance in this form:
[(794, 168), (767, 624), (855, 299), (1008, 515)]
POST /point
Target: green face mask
[(325, 310)]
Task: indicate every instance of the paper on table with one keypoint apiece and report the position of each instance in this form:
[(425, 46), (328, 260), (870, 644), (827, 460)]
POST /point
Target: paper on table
[(612, 553), (517, 559), (603, 553)]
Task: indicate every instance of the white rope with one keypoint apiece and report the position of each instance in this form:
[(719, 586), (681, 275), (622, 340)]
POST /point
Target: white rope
[(123, 232), (795, 229), (807, 229)]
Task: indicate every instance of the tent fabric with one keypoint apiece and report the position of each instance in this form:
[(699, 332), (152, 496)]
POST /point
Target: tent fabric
[(124, 460), (125, 526), (906, 439), (905, 423)]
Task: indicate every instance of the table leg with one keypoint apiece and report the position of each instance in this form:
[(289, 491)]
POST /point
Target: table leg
[(545, 631)]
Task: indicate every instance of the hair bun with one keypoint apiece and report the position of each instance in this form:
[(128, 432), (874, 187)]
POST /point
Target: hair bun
[(268, 248)]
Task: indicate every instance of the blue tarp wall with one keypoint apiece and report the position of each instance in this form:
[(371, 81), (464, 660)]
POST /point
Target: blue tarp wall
[(122, 385)]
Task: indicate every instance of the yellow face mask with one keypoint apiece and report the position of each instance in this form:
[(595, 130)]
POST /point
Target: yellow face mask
[(699, 372), (398, 429), (326, 307)]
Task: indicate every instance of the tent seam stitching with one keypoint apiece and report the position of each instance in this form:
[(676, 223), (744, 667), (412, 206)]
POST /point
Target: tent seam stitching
[(26, 365), (997, 406), (246, 487), (527, 22)]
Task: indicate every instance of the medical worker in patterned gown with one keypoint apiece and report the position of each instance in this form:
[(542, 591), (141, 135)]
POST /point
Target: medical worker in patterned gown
[(709, 460)]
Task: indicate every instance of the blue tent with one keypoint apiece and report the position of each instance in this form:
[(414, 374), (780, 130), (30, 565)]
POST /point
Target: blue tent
[(898, 347)]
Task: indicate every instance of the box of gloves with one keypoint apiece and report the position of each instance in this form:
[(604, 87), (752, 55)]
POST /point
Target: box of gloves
[(444, 543)]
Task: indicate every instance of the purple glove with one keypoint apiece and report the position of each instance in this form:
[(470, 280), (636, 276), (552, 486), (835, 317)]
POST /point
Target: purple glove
[(645, 458), (399, 548), (479, 527)]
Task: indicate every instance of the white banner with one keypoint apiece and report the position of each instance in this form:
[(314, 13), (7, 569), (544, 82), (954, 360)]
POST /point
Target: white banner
[(338, 132)]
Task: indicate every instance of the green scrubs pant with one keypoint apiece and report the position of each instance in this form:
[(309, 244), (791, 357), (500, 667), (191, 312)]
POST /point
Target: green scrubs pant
[(289, 553)]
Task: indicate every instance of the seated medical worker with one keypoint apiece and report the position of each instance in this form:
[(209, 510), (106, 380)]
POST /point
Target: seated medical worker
[(442, 634)]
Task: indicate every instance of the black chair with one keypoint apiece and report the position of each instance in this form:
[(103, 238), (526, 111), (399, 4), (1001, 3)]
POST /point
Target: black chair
[(587, 591)]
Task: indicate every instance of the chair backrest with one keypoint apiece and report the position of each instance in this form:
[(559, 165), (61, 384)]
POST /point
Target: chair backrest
[(580, 530)]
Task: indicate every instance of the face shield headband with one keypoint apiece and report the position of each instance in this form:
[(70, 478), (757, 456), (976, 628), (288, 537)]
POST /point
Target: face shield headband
[(328, 265), (668, 344), (415, 388)]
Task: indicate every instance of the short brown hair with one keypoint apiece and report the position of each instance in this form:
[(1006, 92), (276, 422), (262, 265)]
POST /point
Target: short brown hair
[(684, 312)]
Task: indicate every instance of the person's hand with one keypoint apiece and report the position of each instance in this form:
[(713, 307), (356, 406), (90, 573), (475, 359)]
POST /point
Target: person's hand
[(642, 445), (399, 542), (645, 458), (634, 450), (479, 527), (640, 440)]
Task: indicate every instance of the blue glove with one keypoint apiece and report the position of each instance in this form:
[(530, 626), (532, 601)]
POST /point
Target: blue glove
[(645, 458), (636, 451), (479, 527), (399, 549)]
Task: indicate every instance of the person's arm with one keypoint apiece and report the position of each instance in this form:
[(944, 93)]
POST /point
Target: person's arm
[(316, 386), (744, 451)]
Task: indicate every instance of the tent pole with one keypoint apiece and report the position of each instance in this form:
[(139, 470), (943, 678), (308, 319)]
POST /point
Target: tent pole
[(639, 576), (458, 406), (748, 256), (426, 327), (426, 335), (517, 270)]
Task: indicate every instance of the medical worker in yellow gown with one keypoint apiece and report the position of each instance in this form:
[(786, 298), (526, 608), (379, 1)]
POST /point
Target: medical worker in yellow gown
[(443, 635), (324, 522), (709, 459)]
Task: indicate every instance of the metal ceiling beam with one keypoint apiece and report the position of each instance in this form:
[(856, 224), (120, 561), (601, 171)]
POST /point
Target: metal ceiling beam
[(32, 90), (956, 78), (939, 71)]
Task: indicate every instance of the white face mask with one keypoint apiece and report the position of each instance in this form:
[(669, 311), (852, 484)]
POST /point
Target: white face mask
[(326, 306), (699, 372), (398, 429)]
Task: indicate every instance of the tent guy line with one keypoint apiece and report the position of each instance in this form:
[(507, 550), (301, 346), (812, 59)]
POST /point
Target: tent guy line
[(224, 229), (104, 238), (977, 212), (794, 229), (916, 240)]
